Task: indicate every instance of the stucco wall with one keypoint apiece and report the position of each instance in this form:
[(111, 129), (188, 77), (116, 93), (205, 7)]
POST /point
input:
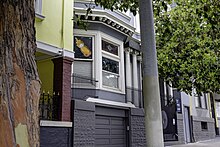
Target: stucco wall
[(200, 134), (55, 136), (57, 27), (84, 124), (45, 70), (137, 128), (180, 128)]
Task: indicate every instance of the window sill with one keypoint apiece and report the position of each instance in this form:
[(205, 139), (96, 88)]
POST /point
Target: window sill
[(111, 89), (46, 123), (201, 108), (39, 17), (83, 86)]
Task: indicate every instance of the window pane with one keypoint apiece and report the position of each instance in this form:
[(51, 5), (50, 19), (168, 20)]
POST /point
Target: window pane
[(217, 108), (110, 80), (83, 47), (82, 71), (108, 47), (203, 101), (38, 6), (197, 103), (197, 97), (110, 65), (204, 125)]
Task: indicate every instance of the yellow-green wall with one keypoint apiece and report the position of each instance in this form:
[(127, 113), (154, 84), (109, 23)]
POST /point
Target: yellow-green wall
[(57, 27), (45, 70)]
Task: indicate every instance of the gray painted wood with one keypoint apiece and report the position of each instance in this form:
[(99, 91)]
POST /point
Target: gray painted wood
[(110, 131), (187, 127), (110, 112)]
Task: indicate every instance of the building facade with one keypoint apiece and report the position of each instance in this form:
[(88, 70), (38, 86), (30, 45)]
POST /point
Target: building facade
[(186, 118), (54, 56), (92, 81), (106, 89)]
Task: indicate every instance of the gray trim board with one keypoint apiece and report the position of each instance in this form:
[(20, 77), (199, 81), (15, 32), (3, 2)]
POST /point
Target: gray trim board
[(110, 112), (133, 44), (84, 93), (137, 111), (206, 119), (111, 106), (84, 105)]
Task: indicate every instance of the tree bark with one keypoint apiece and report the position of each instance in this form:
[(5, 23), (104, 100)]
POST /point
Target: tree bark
[(19, 81)]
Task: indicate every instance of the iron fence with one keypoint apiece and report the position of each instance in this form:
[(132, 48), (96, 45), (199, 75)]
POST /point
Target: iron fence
[(49, 106), (167, 100)]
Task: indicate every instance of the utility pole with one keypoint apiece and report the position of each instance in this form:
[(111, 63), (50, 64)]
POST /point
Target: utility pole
[(152, 106)]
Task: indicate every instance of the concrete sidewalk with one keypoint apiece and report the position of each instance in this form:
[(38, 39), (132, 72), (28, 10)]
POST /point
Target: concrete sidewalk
[(206, 143)]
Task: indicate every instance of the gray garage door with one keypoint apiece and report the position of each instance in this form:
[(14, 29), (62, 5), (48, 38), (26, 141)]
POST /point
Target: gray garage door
[(110, 131)]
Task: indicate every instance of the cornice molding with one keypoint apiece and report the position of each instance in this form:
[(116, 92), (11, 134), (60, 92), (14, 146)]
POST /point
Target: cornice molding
[(102, 16)]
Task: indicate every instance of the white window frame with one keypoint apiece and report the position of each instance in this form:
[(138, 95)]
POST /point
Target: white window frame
[(119, 58), (217, 108), (200, 101), (38, 6), (114, 58), (92, 34), (97, 58), (137, 23), (204, 101), (168, 92), (93, 44)]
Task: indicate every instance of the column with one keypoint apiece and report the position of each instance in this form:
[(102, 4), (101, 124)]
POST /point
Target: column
[(153, 117), (139, 58), (62, 85), (135, 79), (128, 75)]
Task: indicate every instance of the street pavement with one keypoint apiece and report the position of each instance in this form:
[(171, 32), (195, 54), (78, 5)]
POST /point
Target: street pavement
[(206, 143)]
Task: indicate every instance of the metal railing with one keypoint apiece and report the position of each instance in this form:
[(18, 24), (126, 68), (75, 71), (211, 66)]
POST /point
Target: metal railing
[(167, 100), (49, 106), (133, 93), (79, 80)]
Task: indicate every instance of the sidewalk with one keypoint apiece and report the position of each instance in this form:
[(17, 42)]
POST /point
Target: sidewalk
[(206, 143)]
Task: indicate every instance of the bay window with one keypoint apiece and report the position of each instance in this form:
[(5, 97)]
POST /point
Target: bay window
[(98, 57)]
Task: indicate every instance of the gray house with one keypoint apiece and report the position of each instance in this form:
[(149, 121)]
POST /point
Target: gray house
[(106, 83), (186, 118), (106, 89)]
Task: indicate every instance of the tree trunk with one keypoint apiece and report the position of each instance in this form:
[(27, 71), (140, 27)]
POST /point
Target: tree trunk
[(19, 81)]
